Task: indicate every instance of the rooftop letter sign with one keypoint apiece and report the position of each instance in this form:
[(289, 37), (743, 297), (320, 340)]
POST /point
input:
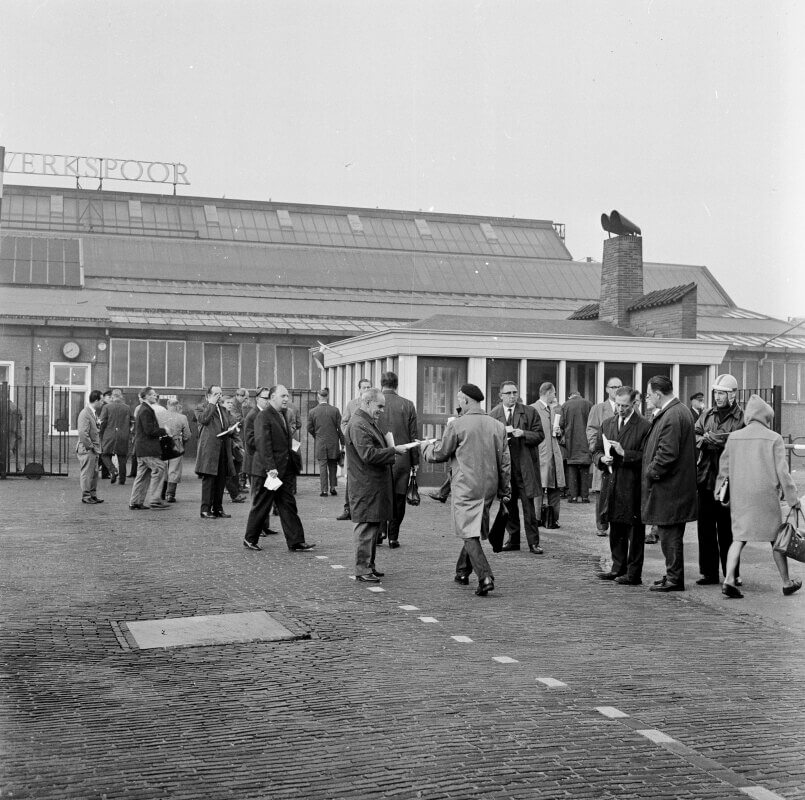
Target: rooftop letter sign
[(115, 169)]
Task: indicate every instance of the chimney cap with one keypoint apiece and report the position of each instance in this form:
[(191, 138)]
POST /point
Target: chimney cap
[(616, 223)]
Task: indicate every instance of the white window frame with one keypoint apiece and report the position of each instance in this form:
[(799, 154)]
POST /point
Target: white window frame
[(87, 387), (10, 365)]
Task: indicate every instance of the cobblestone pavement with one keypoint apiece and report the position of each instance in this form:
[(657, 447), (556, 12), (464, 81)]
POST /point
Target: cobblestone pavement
[(379, 702)]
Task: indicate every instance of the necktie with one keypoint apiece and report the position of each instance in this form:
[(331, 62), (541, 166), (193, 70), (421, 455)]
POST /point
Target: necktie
[(620, 423), (220, 417), (508, 416)]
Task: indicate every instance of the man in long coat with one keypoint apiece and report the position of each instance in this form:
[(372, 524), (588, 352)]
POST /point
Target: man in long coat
[(620, 488), (669, 479), (115, 425), (214, 462), (352, 406), (524, 434), (575, 414), (324, 425), (399, 419), (551, 469), (475, 445), (598, 413), (274, 457), (88, 448), (370, 461)]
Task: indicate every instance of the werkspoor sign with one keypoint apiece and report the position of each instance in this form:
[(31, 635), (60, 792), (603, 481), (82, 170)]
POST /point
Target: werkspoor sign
[(117, 169)]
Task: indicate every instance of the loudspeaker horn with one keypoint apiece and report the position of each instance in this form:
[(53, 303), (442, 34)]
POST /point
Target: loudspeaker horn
[(619, 225)]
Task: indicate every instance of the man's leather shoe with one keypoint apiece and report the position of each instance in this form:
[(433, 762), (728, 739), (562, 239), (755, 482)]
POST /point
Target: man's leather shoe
[(601, 533), (585, 499), (241, 498), (301, 547), (624, 581), (138, 507), (378, 574), (158, 506), (221, 514), (333, 492), (572, 500), (661, 582), (90, 501), (705, 580), (464, 580), (536, 550), (113, 479), (249, 546), (667, 587), (607, 576), (731, 591), (436, 496), (344, 515), (508, 547), (207, 515), (370, 578), (484, 586), (322, 494), (268, 532), (553, 526), (393, 544)]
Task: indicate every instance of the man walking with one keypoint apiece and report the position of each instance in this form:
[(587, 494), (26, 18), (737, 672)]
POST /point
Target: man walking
[(115, 425), (621, 468), (669, 479), (261, 401), (151, 469), (524, 434), (714, 523), (352, 406), (324, 425), (398, 419), (552, 471), (475, 445), (275, 458), (369, 471), (88, 448), (575, 414)]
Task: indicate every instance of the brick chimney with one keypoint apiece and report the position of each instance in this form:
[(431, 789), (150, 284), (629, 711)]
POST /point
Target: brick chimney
[(621, 278)]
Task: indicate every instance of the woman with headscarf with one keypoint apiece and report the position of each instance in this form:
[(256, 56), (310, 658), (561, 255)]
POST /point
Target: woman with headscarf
[(754, 462)]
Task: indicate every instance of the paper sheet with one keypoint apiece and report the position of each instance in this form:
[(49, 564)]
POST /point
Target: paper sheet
[(607, 450), (272, 483), (295, 445)]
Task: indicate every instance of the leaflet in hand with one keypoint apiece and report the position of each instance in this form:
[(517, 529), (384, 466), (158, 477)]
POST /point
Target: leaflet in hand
[(607, 450), (295, 445), (272, 483), (230, 430), (418, 443)]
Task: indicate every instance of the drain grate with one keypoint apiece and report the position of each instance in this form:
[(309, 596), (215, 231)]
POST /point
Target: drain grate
[(201, 631)]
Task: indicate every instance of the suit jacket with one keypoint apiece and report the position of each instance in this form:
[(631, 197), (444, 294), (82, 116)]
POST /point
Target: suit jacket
[(324, 425), (669, 468), (620, 489), (209, 444), (369, 471), (524, 451), (89, 440), (248, 439), (273, 436), (114, 426), (147, 433), (400, 420)]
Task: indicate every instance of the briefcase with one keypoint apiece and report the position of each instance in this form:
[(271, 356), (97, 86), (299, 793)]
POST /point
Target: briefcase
[(498, 528)]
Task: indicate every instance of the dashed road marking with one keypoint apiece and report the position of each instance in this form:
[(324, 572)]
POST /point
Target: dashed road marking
[(326, 558), (656, 736), (410, 608), (428, 619), (505, 660), (462, 639), (337, 566), (552, 683), (760, 793), (611, 712), (376, 589)]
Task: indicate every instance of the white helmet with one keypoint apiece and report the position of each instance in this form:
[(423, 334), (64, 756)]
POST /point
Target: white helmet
[(725, 383)]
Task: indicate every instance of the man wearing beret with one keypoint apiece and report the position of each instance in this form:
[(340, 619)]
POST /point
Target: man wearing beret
[(475, 445)]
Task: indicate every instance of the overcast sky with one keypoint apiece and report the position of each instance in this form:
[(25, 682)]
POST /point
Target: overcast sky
[(687, 117)]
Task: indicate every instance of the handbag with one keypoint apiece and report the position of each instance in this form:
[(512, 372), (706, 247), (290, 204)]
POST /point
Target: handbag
[(498, 528), (169, 448), (412, 493), (547, 514), (789, 540)]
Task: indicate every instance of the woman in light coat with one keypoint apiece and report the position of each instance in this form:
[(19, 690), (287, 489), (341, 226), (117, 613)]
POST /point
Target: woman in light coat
[(754, 462), (177, 426)]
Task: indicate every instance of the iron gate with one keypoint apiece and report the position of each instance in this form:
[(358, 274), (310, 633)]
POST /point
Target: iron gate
[(773, 396), (34, 431)]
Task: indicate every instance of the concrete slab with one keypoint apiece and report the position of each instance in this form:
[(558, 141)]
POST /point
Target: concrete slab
[(199, 631)]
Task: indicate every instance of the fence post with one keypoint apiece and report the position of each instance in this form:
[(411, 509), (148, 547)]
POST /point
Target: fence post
[(5, 432), (777, 405)]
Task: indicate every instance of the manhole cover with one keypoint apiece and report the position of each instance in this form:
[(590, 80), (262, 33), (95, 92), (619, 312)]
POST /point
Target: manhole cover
[(250, 626)]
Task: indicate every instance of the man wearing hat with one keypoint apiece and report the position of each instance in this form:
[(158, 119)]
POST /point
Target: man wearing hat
[(697, 405), (714, 524), (475, 445)]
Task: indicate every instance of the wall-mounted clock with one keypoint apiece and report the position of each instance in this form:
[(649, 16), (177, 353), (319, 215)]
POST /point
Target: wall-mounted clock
[(71, 350)]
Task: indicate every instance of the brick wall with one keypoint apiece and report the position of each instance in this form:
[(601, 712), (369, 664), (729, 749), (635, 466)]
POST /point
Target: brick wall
[(676, 320), (621, 278)]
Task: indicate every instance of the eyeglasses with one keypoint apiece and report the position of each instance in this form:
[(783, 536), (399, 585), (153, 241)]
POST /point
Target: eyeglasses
[(617, 386), (514, 392)]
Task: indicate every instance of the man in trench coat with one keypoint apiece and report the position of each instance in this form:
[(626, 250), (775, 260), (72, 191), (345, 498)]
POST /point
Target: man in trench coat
[(475, 445), (324, 425), (369, 471), (115, 424), (214, 461), (551, 468), (575, 414), (598, 413), (620, 488), (524, 434), (669, 479)]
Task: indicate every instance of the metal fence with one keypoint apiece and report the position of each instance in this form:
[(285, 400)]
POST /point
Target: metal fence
[(773, 396), (32, 442)]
